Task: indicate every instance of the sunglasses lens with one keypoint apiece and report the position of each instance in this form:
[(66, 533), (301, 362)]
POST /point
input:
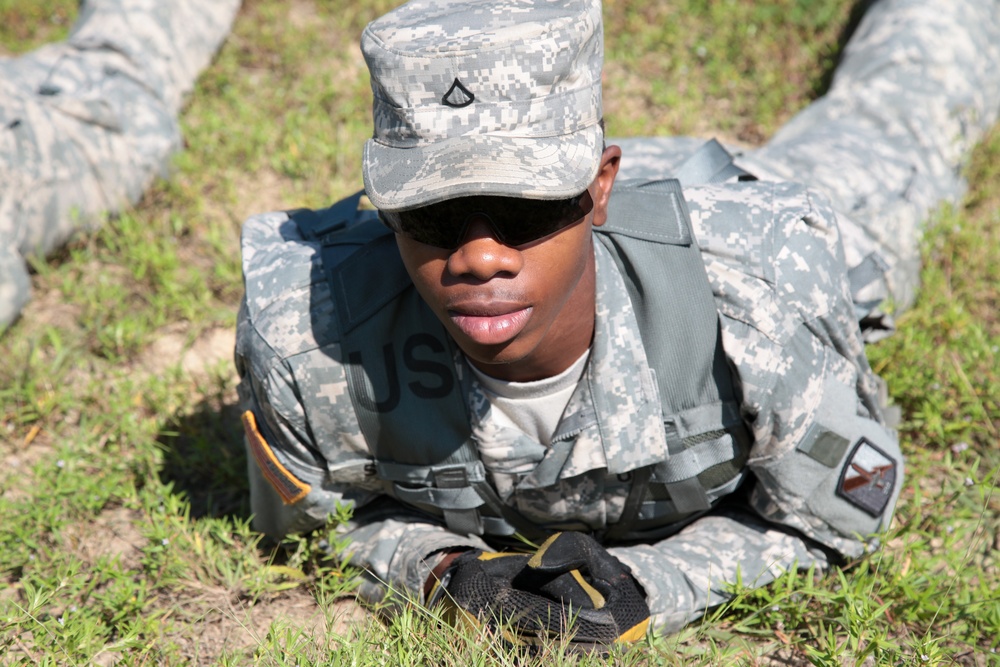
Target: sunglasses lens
[(429, 225), (533, 220), (514, 221)]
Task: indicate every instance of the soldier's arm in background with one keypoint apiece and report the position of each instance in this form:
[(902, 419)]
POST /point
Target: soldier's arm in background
[(809, 398), (88, 123), (300, 470)]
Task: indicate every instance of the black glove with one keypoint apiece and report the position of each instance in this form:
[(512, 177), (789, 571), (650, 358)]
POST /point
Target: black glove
[(570, 588)]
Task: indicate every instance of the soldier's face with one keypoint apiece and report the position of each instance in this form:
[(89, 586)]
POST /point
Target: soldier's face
[(518, 313)]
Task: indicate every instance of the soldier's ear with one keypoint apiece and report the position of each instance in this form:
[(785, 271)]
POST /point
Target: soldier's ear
[(600, 189)]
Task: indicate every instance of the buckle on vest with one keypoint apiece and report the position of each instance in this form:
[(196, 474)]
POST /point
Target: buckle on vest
[(452, 477), (460, 476)]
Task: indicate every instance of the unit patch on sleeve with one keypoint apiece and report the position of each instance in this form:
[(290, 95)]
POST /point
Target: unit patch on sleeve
[(284, 482), (868, 478)]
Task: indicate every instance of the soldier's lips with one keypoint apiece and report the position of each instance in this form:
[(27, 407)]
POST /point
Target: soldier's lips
[(493, 324)]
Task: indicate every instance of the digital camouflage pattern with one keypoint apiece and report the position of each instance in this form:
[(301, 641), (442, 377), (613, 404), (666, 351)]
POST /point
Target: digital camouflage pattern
[(788, 326), (501, 98), (915, 89), (797, 352), (781, 278), (87, 124)]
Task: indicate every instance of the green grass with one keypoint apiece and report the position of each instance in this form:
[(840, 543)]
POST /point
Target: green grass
[(737, 69), (123, 515), (24, 25)]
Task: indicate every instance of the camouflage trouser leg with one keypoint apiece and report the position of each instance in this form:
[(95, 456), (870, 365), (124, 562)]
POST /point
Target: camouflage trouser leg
[(87, 124), (916, 88), (14, 283)]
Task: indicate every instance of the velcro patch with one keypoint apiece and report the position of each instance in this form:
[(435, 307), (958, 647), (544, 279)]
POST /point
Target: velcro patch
[(823, 445), (290, 488), (868, 478)]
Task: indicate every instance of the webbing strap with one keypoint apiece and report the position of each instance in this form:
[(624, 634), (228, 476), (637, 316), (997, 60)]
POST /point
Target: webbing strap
[(679, 325), (630, 512), (428, 474), (705, 417), (688, 463), (711, 163), (460, 498), (454, 481), (459, 508), (688, 495), (873, 267), (675, 309), (521, 523), (316, 224)]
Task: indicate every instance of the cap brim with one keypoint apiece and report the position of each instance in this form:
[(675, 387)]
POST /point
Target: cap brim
[(530, 167)]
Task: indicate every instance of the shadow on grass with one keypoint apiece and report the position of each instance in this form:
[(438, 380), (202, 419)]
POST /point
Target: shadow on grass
[(203, 457)]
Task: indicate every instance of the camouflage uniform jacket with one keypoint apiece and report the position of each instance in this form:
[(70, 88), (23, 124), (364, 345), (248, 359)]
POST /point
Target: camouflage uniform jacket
[(775, 265)]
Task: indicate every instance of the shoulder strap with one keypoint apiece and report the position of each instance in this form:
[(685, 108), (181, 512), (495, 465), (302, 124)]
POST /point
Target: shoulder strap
[(649, 234), (711, 163), (317, 224), (337, 229)]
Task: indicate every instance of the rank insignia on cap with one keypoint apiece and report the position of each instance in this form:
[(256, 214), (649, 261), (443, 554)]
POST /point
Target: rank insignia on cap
[(868, 478), (458, 96)]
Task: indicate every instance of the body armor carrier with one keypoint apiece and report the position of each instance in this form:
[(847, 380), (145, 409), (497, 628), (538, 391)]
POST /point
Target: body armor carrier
[(410, 402)]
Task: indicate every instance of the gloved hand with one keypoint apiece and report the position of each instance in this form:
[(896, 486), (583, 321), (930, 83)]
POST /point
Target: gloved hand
[(570, 588)]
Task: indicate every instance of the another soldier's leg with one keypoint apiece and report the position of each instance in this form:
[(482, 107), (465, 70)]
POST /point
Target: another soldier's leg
[(916, 88), (87, 124), (14, 283)]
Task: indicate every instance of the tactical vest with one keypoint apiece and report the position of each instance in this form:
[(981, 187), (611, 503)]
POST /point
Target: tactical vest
[(410, 402)]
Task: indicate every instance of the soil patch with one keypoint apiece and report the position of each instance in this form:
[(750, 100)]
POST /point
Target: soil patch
[(211, 627), (112, 534), (195, 357)]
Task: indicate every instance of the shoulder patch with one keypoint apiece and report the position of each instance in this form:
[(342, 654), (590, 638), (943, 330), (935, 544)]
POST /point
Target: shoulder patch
[(868, 478), (290, 488)]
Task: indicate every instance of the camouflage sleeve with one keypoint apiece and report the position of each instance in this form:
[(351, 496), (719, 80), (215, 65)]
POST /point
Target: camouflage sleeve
[(825, 462), (827, 471), (690, 572), (300, 471), (291, 492)]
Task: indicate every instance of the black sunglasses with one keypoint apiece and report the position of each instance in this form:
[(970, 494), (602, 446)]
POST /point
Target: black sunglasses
[(515, 221)]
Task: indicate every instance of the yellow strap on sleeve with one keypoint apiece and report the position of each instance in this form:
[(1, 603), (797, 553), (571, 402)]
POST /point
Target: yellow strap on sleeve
[(290, 488)]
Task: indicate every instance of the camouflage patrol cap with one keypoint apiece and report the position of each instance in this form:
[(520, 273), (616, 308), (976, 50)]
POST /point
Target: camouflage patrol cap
[(483, 98)]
